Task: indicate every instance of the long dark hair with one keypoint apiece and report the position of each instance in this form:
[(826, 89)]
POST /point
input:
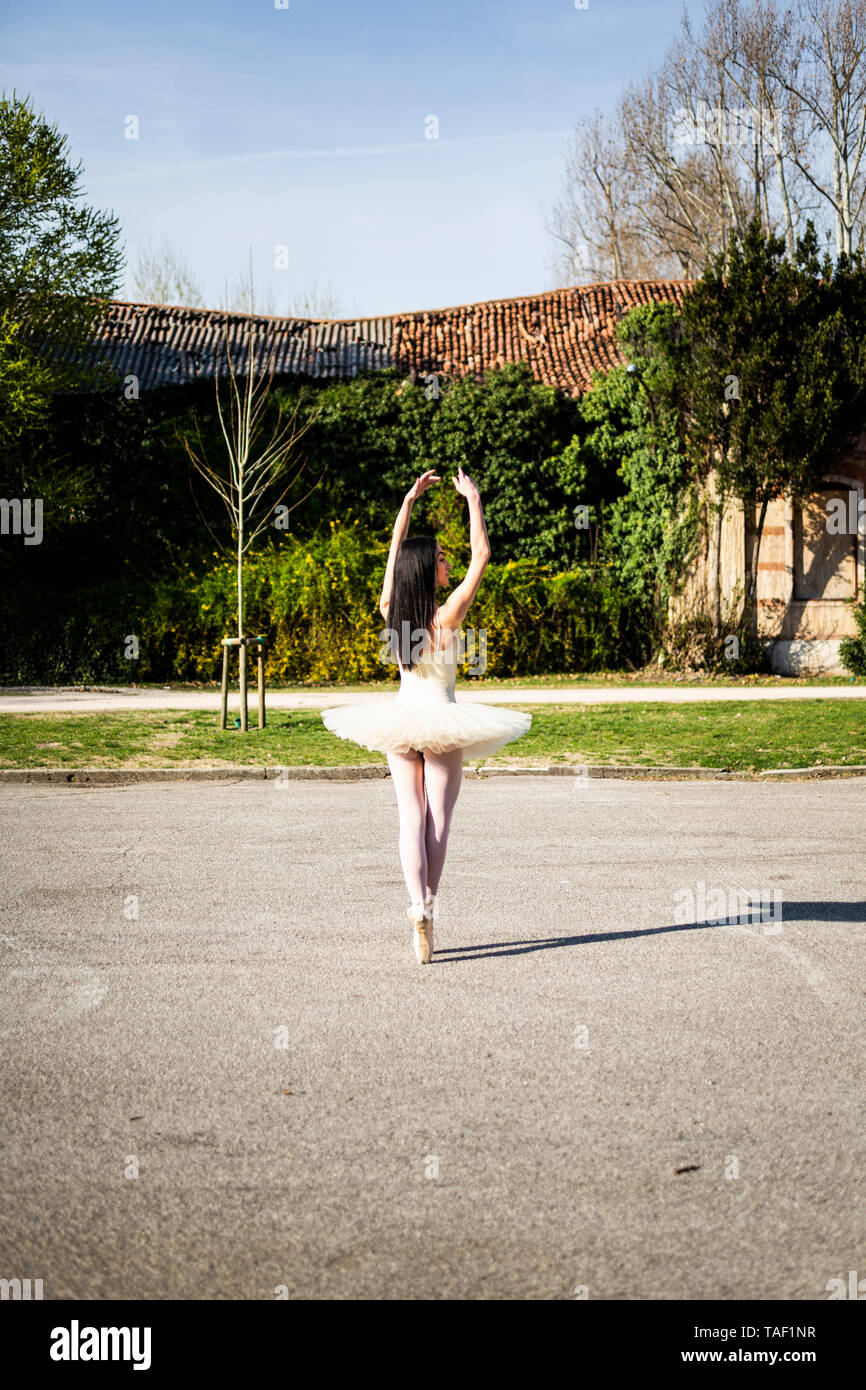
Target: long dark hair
[(413, 597)]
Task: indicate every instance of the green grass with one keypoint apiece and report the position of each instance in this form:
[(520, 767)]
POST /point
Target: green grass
[(748, 737)]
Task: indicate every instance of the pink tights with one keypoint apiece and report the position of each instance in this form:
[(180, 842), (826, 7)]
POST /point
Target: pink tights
[(427, 788)]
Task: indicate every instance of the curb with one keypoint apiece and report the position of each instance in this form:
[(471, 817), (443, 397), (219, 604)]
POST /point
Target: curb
[(108, 776), (625, 771), (97, 777), (851, 770)]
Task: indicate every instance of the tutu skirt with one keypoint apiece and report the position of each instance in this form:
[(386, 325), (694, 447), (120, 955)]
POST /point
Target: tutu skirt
[(395, 727)]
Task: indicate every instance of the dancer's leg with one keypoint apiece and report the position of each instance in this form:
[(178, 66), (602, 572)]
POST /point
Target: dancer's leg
[(407, 774), (443, 777)]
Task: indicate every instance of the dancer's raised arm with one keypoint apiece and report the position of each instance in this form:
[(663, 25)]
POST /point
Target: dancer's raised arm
[(456, 606), (400, 532)]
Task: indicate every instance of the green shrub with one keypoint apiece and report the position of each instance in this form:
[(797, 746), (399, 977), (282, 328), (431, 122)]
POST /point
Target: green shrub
[(68, 637), (316, 601)]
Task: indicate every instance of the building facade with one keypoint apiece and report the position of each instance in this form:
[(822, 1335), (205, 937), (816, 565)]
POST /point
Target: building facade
[(812, 558)]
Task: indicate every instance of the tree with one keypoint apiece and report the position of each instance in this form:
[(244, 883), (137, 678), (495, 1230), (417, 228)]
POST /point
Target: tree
[(772, 380), (759, 51), (259, 454), (60, 261), (654, 189), (651, 530), (508, 433), (596, 220), (832, 90), (240, 299), (314, 303), (759, 111), (692, 190), (309, 303), (163, 277)]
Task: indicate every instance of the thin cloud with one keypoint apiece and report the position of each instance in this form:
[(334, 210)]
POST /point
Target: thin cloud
[(338, 152)]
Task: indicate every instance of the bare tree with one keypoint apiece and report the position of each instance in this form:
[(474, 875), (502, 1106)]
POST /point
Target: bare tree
[(313, 303), (258, 457), (695, 195), (752, 46), (241, 298), (652, 190), (307, 303), (833, 91), (759, 109), (595, 220), (163, 276)]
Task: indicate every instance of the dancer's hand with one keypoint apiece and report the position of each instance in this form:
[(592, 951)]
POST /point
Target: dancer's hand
[(421, 484), (465, 485)]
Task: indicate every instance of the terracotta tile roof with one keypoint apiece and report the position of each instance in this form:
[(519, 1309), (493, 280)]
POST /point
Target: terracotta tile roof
[(564, 335)]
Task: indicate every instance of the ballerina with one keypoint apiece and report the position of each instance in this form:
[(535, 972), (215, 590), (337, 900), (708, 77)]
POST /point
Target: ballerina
[(424, 732)]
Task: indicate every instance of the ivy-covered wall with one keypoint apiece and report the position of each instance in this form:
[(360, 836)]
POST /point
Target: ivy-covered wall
[(133, 538)]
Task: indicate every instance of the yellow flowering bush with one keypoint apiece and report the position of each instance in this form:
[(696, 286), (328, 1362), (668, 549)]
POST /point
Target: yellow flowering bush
[(316, 601)]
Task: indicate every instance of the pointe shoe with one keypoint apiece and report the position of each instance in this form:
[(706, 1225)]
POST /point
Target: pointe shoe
[(422, 925), (430, 910)]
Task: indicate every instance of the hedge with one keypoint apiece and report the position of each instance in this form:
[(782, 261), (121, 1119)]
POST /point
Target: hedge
[(316, 601)]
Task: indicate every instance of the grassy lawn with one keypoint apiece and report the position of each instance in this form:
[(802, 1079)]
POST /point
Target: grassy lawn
[(739, 737)]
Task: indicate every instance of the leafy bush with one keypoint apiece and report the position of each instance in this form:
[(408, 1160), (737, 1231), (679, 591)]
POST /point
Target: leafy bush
[(127, 551), (316, 602), (68, 637)]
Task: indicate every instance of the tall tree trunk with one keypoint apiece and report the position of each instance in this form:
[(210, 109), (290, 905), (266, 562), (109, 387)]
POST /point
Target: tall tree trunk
[(240, 526), (782, 180), (714, 561), (837, 200), (240, 584), (752, 590), (242, 650)]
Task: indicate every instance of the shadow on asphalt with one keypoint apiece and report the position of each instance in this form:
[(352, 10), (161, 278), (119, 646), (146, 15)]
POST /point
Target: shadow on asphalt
[(791, 912)]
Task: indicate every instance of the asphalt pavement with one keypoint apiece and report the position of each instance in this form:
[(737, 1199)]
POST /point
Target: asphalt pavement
[(226, 1077)]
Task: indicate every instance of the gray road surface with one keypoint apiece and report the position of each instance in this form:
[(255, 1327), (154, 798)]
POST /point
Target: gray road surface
[(504, 1123)]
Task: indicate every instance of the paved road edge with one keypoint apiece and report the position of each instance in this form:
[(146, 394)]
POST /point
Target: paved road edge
[(283, 775)]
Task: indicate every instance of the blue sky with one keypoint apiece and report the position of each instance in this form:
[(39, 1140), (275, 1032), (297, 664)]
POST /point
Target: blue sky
[(304, 127)]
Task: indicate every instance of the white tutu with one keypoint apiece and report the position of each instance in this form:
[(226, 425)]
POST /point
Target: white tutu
[(389, 726), (425, 715)]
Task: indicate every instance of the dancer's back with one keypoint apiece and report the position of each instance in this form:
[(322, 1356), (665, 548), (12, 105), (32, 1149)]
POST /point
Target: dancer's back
[(432, 679)]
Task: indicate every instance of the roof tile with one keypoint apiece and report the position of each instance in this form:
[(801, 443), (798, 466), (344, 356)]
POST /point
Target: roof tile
[(564, 335)]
